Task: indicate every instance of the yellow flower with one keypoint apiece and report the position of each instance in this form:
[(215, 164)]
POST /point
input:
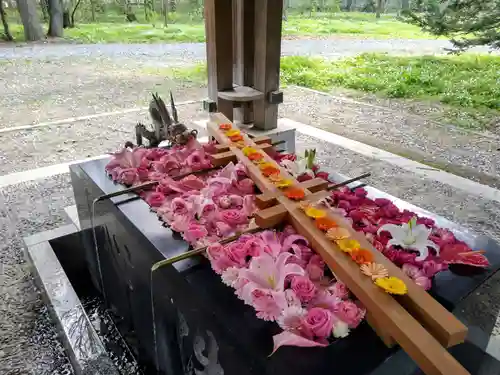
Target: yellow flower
[(315, 213), (239, 144), (392, 285), (283, 183), (232, 132), (374, 270), (248, 150), (337, 233), (347, 245)]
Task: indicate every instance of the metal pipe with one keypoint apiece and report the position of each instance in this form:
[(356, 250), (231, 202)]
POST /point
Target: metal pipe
[(192, 253), (347, 182), (146, 185)]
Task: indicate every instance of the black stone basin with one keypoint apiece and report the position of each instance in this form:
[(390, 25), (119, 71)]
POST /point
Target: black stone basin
[(197, 322)]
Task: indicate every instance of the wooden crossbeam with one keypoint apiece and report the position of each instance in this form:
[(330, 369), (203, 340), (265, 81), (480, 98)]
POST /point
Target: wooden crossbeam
[(417, 322)]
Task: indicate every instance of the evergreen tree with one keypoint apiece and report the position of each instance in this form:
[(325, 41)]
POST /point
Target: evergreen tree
[(467, 23)]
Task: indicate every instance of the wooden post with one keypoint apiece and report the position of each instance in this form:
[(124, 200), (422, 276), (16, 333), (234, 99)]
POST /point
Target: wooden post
[(219, 35), (268, 19), (243, 54)]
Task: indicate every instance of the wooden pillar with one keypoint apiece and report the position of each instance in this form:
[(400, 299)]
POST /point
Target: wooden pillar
[(219, 42), (243, 53), (268, 19)]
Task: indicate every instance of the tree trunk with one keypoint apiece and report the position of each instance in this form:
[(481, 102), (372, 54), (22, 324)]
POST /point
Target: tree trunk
[(66, 19), (31, 22), (405, 4), (379, 10), (172, 5), (6, 31), (348, 6), (56, 19), (92, 9), (165, 12), (44, 4), (72, 24)]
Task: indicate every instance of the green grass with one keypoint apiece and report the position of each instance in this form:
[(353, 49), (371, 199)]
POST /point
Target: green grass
[(112, 28), (467, 86)]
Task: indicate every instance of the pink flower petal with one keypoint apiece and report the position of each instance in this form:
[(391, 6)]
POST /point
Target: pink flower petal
[(287, 338)]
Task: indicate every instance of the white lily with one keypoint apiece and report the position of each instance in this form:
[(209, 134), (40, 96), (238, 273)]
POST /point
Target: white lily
[(411, 236)]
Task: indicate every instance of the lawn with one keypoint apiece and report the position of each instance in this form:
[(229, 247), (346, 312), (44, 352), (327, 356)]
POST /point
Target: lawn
[(467, 86), (111, 28)]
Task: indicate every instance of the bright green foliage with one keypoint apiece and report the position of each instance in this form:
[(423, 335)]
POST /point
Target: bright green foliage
[(467, 22)]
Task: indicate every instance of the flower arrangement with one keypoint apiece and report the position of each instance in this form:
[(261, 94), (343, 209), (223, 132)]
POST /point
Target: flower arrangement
[(364, 258), (281, 277), (138, 165), (411, 242)]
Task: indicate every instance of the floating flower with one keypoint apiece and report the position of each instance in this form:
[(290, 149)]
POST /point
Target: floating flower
[(267, 164), (362, 256), (225, 127), (411, 236), (305, 205), (392, 285), (295, 193), (325, 223), (232, 132), (269, 171), (276, 177), (336, 234), (236, 138), (255, 156), (247, 150), (348, 245), (284, 183), (240, 143), (374, 270), (315, 213)]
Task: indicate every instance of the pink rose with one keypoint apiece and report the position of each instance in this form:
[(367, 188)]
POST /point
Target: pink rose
[(179, 206), (318, 323), (245, 186), (234, 217), (350, 313), (128, 176), (156, 176), (216, 253), (237, 253), (325, 300), (195, 161), (339, 290), (180, 224), (236, 200), (303, 287), (304, 177), (315, 268), (222, 229), (143, 174), (155, 199), (241, 170), (224, 201), (194, 232)]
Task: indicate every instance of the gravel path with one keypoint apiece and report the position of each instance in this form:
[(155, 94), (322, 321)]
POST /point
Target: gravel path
[(28, 340), (178, 53)]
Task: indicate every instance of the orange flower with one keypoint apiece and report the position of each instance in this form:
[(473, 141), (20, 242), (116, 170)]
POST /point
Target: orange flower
[(236, 138), (225, 126), (362, 256), (266, 164), (325, 223), (294, 193), (374, 270), (255, 156), (270, 171), (336, 234)]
